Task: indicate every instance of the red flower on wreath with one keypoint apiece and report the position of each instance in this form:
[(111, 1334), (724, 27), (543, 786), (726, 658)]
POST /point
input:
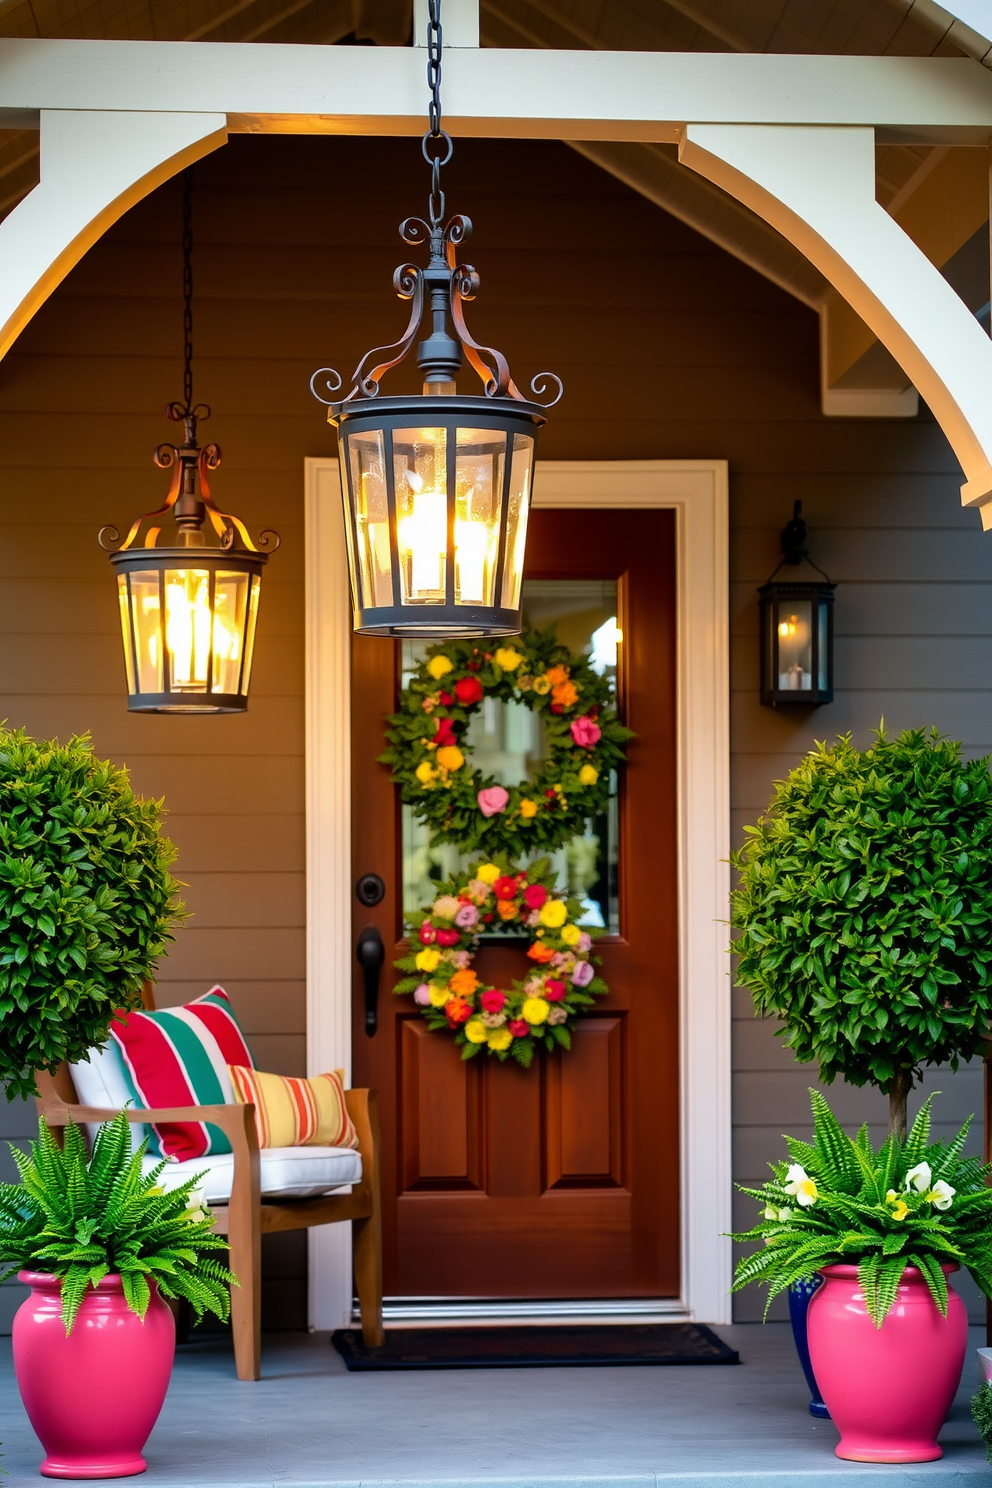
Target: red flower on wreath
[(505, 888), (457, 1010), (445, 734), (518, 1027), (426, 933), (445, 699), (535, 895), (493, 1001), (448, 938), (554, 990), (468, 691)]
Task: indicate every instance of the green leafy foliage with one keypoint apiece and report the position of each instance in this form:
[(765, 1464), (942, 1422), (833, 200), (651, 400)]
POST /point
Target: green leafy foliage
[(837, 1201), (83, 1219), (863, 911), (981, 1414), (86, 901), (560, 797)]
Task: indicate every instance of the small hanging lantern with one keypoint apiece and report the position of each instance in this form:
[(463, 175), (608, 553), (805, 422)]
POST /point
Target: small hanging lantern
[(436, 487), (188, 610), (797, 629)]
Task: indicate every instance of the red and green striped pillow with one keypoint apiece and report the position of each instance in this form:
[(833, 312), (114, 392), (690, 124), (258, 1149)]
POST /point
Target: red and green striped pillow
[(179, 1057)]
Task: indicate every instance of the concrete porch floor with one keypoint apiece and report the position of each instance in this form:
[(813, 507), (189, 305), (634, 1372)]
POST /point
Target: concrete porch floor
[(310, 1424)]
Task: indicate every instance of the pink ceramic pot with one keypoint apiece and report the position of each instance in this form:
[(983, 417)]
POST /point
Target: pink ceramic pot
[(888, 1389), (94, 1396)]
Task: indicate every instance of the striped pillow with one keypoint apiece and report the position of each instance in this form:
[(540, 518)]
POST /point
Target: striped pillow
[(179, 1057), (296, 1113)]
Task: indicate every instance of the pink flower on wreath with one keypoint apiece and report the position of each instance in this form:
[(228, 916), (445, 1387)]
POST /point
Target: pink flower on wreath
[(554, 990), (461, 959), (585, 732), (535, 895), (492, 800), (583, 974), (493, 1001), (584, 942), (422, 995), (467, 917)]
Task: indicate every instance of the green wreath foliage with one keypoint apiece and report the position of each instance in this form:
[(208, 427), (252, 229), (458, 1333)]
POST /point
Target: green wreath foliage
[(863, 910), (431, 761), (87, 901)]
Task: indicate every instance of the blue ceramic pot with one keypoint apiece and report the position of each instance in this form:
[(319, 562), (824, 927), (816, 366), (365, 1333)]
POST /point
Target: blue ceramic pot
[(800, 1295)]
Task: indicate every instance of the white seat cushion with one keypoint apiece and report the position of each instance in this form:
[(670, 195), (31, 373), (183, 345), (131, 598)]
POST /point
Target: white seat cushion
[(100, 1081), (287, 1172)]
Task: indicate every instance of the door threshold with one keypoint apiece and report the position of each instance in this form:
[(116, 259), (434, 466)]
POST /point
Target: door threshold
[(464, 1312)]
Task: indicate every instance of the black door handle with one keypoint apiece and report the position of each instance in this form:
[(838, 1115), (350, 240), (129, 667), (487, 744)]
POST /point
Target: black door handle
[(371, 955)]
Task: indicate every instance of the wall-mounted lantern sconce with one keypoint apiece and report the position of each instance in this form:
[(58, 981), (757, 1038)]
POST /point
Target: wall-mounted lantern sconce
[(797, 629)]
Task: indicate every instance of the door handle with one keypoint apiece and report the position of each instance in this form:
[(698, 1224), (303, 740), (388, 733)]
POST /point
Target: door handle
[(371, 954)]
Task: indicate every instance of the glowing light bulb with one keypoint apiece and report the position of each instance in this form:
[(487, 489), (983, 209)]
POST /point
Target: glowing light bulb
[(474, 551), (423, 538), (787, 627), (188, 626)]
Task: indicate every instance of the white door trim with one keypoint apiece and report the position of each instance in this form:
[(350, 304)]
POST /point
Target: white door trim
[(697, 492)]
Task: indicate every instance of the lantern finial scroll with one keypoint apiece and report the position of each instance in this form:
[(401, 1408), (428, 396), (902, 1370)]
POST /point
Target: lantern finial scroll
[(436, 486), (797, 628), (188, 608)]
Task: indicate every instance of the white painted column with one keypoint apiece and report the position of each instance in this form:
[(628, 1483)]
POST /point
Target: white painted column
[(817, 187), (94, 166)]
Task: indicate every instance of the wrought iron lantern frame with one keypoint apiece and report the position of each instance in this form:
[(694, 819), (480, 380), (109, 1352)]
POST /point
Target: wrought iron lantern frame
[(776, 597), (437, 292)]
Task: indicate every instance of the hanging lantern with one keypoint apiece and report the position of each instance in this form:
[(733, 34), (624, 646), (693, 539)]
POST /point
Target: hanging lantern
[(188, 609), (797, 629), (436, 486)]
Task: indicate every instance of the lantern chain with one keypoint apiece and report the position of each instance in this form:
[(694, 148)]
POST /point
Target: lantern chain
[(188, 290), (436, 145)]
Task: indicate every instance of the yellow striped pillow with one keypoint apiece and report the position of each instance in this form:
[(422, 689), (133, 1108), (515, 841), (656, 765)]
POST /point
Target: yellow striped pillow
[(295, 1113)]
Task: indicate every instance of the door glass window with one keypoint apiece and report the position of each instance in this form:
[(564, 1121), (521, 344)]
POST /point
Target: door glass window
[(507, 743)]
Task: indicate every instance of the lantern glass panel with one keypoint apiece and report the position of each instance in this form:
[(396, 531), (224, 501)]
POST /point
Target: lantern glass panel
[(125, 606), (367, 476), (479, 461), (795, 645), (823, 645), (146, 617), (255, 590), (230, 612), (187, 627), (420, 471), (521, 472)]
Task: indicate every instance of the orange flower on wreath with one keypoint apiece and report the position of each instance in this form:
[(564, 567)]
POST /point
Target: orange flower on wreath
[(457, 1010), (507, 909), (565, 694), (541, 953), (464, 982), (556, 675)]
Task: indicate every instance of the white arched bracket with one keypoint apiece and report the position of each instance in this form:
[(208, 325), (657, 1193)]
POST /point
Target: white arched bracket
[(817, 187), (94, 166)]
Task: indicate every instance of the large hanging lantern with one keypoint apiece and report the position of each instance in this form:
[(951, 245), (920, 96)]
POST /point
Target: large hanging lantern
[(797, 629), (436, 486), (188, 609)]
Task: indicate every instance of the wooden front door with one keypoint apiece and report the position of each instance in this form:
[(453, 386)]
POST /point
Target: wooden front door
[(560, 1181)]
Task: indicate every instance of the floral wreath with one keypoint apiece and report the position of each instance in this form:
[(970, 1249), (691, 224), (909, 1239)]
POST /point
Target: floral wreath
[(427, 749), (561, 984)]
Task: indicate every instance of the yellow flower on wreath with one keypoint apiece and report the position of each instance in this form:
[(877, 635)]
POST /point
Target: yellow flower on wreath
[(428, 959), (425, 772), (476, 1031), (534, 1011), (588, 775), (571, 934), (542, 686), (500, 1039), (450, 758), (528, 808), (487, 873), (439, 666), (509, 660), (438, 995), (553, 914)]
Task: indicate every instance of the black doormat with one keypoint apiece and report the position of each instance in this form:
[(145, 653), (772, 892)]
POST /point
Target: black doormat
[(535, 1347)]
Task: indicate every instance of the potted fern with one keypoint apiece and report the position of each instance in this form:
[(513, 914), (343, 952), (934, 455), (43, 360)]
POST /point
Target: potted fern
[(887, 1332), (101, 1245)]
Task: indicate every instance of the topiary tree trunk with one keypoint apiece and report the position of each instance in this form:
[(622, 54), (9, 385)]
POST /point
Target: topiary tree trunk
[(902, 1084)]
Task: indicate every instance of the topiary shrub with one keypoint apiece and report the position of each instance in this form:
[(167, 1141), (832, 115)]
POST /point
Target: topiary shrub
[(863, 911), (86, 901)]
